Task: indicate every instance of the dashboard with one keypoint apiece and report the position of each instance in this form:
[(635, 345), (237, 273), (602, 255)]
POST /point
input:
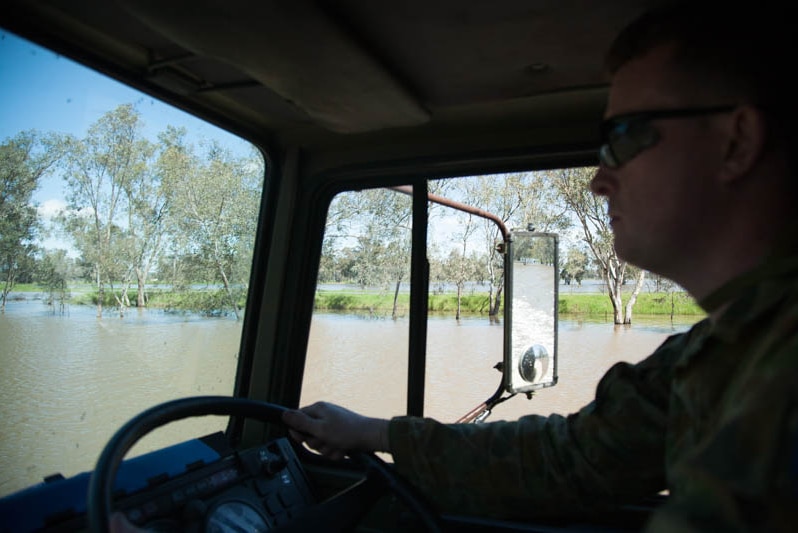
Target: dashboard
[(204, 486), (200, 485)]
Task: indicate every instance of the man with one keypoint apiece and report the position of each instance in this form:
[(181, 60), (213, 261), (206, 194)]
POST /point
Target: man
[(698, 173)]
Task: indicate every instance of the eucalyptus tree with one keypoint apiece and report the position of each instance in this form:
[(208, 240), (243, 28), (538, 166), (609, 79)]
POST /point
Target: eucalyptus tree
[(24, 159), (459, 266), (147, 204), (54, 272), (518, 200), (573, 186), (575, 266), (102, 169), (214, 207), (388, 216), (373, 228), (461, 269)]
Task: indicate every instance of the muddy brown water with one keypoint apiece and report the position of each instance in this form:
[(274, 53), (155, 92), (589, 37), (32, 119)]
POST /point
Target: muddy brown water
[(69, 381)]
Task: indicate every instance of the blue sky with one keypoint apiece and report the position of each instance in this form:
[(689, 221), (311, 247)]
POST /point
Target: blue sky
[(43, 91), (46, 92)]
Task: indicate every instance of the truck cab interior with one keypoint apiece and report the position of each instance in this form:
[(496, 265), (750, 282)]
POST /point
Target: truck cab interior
[(337, 97)]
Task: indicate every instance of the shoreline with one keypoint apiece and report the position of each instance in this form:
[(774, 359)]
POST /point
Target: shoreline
[(570, 305)]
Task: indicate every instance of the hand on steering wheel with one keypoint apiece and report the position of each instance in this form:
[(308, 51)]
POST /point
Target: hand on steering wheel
[(339, 512)]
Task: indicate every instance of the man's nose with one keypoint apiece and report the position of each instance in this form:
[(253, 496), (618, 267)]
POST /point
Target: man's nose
[(602, 181)]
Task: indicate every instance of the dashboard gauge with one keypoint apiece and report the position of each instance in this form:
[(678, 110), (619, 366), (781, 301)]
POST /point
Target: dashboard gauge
[(236, 516)]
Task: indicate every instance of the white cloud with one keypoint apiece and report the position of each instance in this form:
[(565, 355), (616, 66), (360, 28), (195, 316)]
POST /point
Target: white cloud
[(49, 209)]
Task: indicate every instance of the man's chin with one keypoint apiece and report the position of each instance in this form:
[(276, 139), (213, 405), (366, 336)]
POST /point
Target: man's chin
[(640, 259), (628, 253)]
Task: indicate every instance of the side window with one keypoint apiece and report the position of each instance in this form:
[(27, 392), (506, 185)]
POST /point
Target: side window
[(126, 237), (357, 355), (357, 351)]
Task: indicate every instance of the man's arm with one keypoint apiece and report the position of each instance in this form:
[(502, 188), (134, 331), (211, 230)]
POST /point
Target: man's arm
[(612, 450), (333, 431)]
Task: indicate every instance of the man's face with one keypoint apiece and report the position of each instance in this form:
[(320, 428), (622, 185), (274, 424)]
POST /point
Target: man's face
[(661, 198)]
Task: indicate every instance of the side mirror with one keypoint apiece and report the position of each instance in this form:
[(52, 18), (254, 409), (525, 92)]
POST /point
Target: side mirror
[(530, 311)]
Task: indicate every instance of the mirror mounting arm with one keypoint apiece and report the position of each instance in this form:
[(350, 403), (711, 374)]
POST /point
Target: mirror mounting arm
[(460, 207), (482, 411)]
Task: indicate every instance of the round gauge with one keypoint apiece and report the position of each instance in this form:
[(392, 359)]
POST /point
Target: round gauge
[(236, 516)]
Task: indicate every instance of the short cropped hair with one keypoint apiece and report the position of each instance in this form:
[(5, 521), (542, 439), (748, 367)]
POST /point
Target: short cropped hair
[(743, 49)]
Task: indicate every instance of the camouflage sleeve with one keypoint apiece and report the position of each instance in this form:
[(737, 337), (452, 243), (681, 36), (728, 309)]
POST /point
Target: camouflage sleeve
[(744, 476), (539, 466)]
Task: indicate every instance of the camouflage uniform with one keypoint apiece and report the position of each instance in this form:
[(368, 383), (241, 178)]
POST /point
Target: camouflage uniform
[(711, 415)]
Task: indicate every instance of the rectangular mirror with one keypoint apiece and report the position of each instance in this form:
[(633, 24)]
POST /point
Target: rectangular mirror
[(531, 292)]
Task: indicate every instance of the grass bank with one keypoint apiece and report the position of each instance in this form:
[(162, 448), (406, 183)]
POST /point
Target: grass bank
[(27, 287), (648, 303), (477, 304)]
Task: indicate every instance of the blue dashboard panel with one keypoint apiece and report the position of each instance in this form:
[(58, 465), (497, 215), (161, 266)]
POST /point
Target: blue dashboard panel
[(34, 508)]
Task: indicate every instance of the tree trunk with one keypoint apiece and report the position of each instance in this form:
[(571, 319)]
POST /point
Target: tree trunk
[(141, 296), (614, 291), (395, 298), (120, 304), (633, 298), (229, 292), (9, 284), (459, 296), (100, 292), (497, 303)]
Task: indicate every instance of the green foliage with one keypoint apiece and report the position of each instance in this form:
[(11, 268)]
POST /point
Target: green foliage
[(676, 303), (575, 267), (206, 302), (188, 215), (27, 287), (214, 214), (469, 304), (211, 302), (106, 179), (24, 159), (53, 274), (135, 207), (382, 303), (351, 301)]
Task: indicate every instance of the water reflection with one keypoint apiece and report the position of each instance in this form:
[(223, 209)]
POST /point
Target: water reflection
[(70, 381)]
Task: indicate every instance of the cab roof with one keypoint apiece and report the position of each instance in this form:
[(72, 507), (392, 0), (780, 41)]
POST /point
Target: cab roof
[(351, 81)]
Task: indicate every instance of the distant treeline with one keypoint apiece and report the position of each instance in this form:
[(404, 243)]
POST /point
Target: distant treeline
[(212, 302)]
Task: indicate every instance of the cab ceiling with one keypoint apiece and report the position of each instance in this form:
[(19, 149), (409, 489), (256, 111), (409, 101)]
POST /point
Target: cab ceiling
[(316, 72)]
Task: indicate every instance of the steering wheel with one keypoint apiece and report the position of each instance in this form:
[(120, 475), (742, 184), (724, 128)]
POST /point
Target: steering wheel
[(341, 511)]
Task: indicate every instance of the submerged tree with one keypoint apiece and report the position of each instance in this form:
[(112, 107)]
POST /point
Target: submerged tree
[(24, 159), (54, 272), (378, 223), (575, 266), (573, 185), (214, 208), (518, 200), (103, 167)]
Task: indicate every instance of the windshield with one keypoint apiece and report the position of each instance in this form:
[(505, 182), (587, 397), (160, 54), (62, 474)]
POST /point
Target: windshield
[(126, 232)]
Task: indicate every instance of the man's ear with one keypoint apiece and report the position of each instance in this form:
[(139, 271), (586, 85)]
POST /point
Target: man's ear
[(747, 134)]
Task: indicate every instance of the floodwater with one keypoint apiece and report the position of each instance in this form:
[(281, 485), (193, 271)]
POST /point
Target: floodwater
[(69, 381)]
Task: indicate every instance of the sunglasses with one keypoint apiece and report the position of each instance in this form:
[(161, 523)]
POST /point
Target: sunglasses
[(625, 136)]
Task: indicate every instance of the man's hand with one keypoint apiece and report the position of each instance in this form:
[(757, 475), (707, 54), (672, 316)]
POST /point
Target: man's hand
[(332, 430)]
